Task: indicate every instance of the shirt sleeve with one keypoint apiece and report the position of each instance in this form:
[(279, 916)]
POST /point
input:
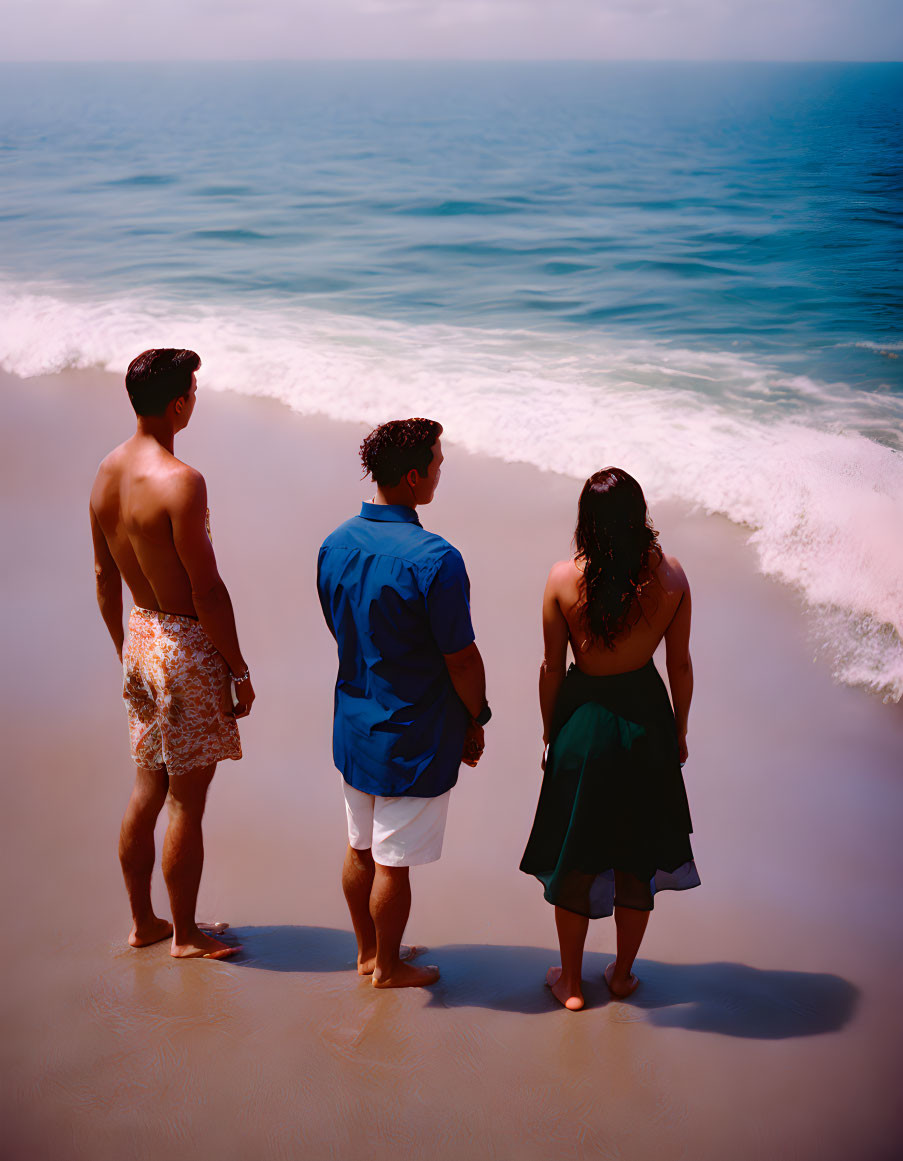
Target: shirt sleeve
[(448, 604), (322, 570)]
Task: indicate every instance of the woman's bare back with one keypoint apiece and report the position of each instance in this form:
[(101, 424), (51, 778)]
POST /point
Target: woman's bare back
[(647, 622)]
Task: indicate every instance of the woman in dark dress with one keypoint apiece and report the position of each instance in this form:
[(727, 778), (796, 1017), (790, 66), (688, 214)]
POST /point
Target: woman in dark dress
[(612, 825)]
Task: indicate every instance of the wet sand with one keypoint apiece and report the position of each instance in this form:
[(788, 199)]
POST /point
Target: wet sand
[(768, 1024)]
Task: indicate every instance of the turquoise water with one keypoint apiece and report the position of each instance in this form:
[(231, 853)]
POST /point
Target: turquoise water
[(690, 270)]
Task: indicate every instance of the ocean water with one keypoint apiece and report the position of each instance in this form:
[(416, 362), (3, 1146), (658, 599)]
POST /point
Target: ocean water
[(691, 271)]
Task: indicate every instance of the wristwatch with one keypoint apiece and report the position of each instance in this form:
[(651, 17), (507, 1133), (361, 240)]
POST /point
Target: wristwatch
[(484, 715)]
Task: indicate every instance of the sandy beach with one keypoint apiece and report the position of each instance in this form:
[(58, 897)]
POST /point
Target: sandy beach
[(768, 1024)]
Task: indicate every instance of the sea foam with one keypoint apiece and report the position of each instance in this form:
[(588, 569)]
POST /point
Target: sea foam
[(813, 469)]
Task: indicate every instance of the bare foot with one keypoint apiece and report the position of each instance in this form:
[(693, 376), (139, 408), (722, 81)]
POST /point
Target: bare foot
[(406, 954), (572, 999), (203, 947), (149, 933), (620, 988), (406, 975)]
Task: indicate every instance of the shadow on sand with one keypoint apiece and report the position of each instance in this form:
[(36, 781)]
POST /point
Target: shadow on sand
[(732, 999)]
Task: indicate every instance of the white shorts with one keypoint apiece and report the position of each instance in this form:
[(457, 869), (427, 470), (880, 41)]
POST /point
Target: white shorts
[(401, 832)]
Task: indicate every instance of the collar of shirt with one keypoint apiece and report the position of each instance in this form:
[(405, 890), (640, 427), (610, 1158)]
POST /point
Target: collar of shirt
[(391, 513)]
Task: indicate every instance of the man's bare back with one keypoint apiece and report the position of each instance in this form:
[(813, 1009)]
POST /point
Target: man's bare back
[(137, 488), (150, 525)]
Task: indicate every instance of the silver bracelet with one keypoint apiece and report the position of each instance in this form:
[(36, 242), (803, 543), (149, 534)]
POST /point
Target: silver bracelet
[(240, 677)]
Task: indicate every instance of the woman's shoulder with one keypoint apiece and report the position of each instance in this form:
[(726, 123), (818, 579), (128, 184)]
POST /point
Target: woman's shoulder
[(563, 584), (563, 572), (669, 573)]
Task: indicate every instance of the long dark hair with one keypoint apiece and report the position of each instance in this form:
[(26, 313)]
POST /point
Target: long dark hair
[(615, 541)]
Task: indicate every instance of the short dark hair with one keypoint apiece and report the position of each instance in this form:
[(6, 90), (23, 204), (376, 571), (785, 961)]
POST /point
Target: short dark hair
[(158, 376), (391, 450)]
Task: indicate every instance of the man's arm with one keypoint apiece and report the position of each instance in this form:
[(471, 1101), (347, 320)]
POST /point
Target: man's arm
[(468, 676), (109, 584), (679, 663), (188, 511), (554, 662), (448, 607)]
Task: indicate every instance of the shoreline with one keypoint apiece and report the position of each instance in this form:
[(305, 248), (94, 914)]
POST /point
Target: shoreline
[(814, 496), (751, 986), (738, 535)]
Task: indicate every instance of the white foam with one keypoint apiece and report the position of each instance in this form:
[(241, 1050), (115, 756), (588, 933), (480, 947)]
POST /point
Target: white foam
[(869, 345), (785, 455)]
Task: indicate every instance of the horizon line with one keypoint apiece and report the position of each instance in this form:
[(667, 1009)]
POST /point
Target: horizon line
[(126, 60)]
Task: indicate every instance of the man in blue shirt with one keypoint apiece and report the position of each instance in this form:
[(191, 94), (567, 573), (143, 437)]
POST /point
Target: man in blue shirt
[(410, 699)]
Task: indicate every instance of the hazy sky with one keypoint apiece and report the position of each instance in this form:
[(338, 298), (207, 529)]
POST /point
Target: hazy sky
[(477, 29)]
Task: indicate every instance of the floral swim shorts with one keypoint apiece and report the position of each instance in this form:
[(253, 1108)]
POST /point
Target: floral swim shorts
[(178, 694)]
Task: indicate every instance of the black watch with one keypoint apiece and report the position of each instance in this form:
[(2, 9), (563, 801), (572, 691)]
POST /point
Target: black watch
[(484, 715)]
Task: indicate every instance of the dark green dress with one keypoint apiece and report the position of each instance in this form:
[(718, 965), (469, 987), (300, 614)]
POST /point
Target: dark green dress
[(612, 825)]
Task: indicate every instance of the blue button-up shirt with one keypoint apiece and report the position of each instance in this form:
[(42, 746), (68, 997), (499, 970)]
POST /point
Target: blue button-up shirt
[(396, 598)]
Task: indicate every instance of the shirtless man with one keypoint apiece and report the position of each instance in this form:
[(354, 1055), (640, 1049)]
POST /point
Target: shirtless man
[(149, 525)]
